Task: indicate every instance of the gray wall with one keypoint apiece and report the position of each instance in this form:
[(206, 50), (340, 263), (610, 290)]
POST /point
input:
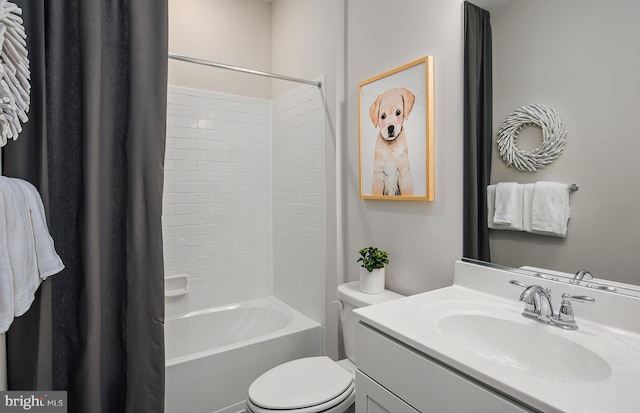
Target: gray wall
[(422, 238), (581, 58)]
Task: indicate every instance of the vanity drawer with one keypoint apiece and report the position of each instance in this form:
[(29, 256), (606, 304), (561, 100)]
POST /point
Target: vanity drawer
[(373, 398), (424, 384)]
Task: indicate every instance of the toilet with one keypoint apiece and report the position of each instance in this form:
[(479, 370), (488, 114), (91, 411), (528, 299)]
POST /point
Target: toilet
[(317, 384)]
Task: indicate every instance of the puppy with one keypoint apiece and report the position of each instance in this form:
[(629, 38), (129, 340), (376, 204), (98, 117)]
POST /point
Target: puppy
[(391, 169)]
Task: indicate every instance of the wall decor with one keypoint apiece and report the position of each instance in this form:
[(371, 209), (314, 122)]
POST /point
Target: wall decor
[(396, 132), (553, 138), (14, 72)]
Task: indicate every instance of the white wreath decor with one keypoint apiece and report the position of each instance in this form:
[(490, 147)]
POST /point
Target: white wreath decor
[(14, 72), (553, 137)]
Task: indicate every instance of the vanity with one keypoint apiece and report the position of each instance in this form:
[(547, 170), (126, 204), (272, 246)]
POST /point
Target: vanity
[(468, 348)]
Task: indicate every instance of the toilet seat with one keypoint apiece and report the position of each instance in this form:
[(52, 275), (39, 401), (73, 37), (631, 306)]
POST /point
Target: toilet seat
[(338, 404), (308, 385)]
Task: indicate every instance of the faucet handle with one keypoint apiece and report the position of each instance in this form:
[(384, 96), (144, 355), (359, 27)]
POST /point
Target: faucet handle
[(579, 298), (518, 283), (529, 290), (565, 318)]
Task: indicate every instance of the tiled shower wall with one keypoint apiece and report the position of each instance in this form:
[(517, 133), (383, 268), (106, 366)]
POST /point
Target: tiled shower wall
[(299, 201), (217, 198), (244, 199)]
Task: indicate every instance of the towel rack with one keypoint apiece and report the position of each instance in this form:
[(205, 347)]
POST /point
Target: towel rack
[(573, 187)]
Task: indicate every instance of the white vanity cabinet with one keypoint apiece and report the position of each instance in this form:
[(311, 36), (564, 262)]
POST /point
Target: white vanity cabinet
[(393, 377)]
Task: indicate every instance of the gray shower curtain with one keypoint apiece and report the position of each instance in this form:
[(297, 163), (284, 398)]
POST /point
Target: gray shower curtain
[(94, 147), (478, 125)]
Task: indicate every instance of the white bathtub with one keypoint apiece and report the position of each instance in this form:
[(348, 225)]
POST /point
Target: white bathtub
[(213, 355)]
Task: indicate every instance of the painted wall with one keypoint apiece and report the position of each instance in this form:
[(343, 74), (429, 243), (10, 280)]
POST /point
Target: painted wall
[(422, 238), (234, 32), (577, 56)]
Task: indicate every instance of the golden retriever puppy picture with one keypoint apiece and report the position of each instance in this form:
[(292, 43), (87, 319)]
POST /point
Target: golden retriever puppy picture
[(391, 168), (396, 133)]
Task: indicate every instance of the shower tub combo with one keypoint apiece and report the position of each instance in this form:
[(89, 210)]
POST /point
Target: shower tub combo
[(213, 355)]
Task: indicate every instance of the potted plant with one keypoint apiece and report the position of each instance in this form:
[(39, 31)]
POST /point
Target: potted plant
[(372, 271)]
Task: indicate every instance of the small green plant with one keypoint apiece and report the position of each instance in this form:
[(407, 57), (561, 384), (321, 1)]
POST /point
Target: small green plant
[(373, 258)]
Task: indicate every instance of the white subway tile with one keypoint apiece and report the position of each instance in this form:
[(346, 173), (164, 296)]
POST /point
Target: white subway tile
[(207, 124), (186, 121), (186, 143), (196, 133), (175, 132), (196, 155), (174, 220)]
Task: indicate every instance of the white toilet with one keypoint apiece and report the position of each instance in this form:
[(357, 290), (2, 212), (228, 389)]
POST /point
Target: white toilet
[(317, 384)]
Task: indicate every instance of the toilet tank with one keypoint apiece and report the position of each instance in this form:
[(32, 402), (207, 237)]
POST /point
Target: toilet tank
[(351, 297)]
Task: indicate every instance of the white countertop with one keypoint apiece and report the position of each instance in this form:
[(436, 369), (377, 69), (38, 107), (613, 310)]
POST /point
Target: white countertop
[(415, 321)]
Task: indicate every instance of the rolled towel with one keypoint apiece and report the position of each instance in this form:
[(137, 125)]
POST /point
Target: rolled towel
[(508, 206), (550, 209)]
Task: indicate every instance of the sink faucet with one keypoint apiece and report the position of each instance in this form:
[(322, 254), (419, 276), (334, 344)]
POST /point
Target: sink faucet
[(537, 302), (581, 275), (537, 306)]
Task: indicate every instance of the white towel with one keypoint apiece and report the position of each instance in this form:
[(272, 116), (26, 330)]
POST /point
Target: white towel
[(550, 209), (49, 262), (491, 205), (508, 206), (527, 200), (6, 274), (21, 247)]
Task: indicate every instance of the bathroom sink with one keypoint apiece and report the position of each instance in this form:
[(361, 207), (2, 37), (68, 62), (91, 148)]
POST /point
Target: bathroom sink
[(532, 348), (476, 328)]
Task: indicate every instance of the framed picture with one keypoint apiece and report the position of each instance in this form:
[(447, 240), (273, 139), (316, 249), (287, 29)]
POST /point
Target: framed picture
[(396, 133)]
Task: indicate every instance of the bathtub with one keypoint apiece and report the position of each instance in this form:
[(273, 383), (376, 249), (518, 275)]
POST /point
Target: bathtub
[(213, 355)]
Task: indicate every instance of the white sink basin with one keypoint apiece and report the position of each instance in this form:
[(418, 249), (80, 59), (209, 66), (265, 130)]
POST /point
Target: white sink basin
[(531, 348)]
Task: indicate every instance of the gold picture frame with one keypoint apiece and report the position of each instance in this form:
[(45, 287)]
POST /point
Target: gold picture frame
[(396, 133)]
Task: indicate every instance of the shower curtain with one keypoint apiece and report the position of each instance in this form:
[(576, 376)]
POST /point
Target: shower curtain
[(94, 147), (478, 125)]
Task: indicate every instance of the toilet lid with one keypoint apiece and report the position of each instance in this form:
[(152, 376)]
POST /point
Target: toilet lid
[(300, 383)]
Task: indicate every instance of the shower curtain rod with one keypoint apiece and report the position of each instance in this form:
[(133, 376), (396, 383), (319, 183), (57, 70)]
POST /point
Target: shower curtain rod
[(242, 69)]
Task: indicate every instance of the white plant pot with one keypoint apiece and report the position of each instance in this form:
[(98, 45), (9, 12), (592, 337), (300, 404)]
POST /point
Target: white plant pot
[(372, 282)]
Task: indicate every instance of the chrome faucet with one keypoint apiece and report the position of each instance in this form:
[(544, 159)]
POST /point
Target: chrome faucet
[(537, 306), (537, 302), (581, 275)]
